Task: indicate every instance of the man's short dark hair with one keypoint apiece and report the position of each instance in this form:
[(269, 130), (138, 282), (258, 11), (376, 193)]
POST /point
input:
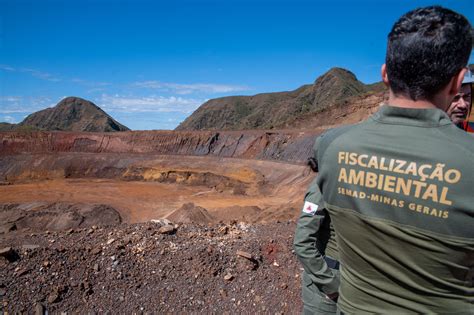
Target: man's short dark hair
[(426, 48)]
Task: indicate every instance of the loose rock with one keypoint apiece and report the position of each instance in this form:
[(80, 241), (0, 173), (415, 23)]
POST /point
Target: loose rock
[(110, 241), (162, 221), (29, 247), (167, 229), (39, 309), (53, 297), (20, 272), (244, 254), (96, 250)]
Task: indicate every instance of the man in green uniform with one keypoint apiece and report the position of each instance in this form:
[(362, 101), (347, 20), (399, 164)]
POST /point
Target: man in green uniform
[(398, 187)]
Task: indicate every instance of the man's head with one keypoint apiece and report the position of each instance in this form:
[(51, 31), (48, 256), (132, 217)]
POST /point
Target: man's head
[(427, 50), (459, 108)]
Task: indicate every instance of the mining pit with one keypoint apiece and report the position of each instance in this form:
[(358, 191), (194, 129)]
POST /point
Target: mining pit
[(144, 188), (244, 176), (140, 222)]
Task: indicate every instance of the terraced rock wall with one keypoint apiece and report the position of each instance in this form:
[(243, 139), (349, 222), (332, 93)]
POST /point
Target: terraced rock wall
[(287, 146)]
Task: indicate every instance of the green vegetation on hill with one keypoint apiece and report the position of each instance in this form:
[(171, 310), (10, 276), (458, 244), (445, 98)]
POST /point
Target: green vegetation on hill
[(7, 126), (273, 110)]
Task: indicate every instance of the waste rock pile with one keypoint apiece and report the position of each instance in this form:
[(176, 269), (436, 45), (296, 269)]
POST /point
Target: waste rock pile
[(156, 266)]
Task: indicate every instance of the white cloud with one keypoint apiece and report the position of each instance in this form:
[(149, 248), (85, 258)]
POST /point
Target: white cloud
[(89, 83), (95, 90), (9, 119), (182, 89), (101, 83), (18, 104), (10, 98), (49, 77), (133, 104), (40, 75), (6, 68), (33, 72)]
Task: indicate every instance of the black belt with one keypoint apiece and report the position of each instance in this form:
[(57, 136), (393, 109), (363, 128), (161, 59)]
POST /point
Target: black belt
[(332, 263)]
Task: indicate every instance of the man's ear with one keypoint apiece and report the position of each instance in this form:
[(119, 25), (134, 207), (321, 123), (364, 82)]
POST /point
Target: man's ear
[(456, 81), (383, 72)]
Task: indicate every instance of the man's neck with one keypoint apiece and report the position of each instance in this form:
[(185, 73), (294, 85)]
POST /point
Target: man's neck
[(402, 101)]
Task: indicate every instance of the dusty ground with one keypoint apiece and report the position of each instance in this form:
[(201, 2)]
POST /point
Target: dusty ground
[(140, 268), (153, 187), (141, 201)]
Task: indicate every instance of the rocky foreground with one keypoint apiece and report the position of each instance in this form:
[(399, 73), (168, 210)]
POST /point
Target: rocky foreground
[(154, 267)]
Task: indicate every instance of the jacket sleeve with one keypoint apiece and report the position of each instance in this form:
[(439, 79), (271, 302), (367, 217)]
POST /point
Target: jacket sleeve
[(308, 229)]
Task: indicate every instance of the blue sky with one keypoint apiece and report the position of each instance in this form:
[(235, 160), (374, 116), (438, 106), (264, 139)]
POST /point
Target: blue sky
[(150, 64)]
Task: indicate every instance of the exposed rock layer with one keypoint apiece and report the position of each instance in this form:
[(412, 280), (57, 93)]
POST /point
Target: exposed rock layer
[(289, 146)]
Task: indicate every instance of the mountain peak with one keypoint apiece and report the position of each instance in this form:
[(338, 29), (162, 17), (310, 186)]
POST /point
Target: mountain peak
[(76, 100), (73, 114), (335, 85), (337, 73), (70, 99)]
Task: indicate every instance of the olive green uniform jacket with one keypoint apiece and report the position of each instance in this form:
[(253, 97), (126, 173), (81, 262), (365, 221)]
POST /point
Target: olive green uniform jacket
[(399, 189), (315, 238)]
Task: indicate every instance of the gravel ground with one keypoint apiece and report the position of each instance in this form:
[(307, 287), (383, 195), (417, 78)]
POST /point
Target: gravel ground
[(152, 267)]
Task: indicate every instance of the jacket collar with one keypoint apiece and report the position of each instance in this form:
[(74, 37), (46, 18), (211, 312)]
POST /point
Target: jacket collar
[(411, 116)]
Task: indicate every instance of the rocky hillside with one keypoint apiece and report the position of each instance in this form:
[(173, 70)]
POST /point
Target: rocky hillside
[(71, 114), (276, 110), (17, 127), (4, 126)]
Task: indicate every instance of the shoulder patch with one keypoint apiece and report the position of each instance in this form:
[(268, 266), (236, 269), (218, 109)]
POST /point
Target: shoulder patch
[(310, 207)]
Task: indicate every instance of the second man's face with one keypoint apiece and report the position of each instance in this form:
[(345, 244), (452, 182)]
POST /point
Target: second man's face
[(459, 107)]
